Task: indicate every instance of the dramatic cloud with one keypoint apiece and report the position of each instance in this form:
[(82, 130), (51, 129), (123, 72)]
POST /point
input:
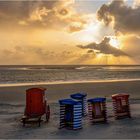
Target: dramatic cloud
[(46, 32), (103, 47), (43, 14), (126, 19), (61, 14)]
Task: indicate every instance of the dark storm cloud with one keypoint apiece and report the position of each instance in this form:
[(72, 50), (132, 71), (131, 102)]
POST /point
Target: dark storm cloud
[(104, 47), (126, 18)]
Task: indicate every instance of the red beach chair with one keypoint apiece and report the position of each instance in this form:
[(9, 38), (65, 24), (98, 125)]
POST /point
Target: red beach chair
[(36, 106), (121, 105), (97, 110)]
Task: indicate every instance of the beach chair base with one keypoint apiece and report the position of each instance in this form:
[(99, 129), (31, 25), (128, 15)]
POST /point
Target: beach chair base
[(98, 121), (122, 115), (31, 120)]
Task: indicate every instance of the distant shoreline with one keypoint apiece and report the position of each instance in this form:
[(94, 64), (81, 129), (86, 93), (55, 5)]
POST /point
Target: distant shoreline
[(64, 82)]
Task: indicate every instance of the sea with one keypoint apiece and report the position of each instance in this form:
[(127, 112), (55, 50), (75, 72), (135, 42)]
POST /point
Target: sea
[(33, 74)]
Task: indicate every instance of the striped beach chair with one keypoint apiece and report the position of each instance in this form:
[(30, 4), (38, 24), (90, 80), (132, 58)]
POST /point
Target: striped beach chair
[(81, 97), (70, 114), (121, 106), (97, 110)]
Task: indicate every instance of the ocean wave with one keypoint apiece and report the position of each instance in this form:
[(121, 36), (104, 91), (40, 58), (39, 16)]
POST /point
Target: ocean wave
[(48, 74)]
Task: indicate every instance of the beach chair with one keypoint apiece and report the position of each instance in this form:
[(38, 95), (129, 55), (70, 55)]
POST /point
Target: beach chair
[(97, 110), (81, 97), (70, 114), (121, 106), (36, 106)]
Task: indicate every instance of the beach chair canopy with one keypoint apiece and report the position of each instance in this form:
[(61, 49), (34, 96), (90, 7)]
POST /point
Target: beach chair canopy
[(78, 95), (68, 102), (35, 90), (120, 95), (96, 100)]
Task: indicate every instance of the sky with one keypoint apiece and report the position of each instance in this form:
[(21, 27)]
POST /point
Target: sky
[(70, 32)]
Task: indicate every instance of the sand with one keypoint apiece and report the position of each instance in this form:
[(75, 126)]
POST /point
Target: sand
[(12, 104)]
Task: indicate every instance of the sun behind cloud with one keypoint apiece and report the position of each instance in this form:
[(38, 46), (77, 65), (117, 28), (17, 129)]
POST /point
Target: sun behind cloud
[(114, 42)]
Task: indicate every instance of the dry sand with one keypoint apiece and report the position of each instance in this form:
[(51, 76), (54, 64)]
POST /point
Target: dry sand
[(12, 100)]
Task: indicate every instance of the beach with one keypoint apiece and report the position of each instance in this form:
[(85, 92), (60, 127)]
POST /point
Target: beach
[(12, 100), (69, 69)]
